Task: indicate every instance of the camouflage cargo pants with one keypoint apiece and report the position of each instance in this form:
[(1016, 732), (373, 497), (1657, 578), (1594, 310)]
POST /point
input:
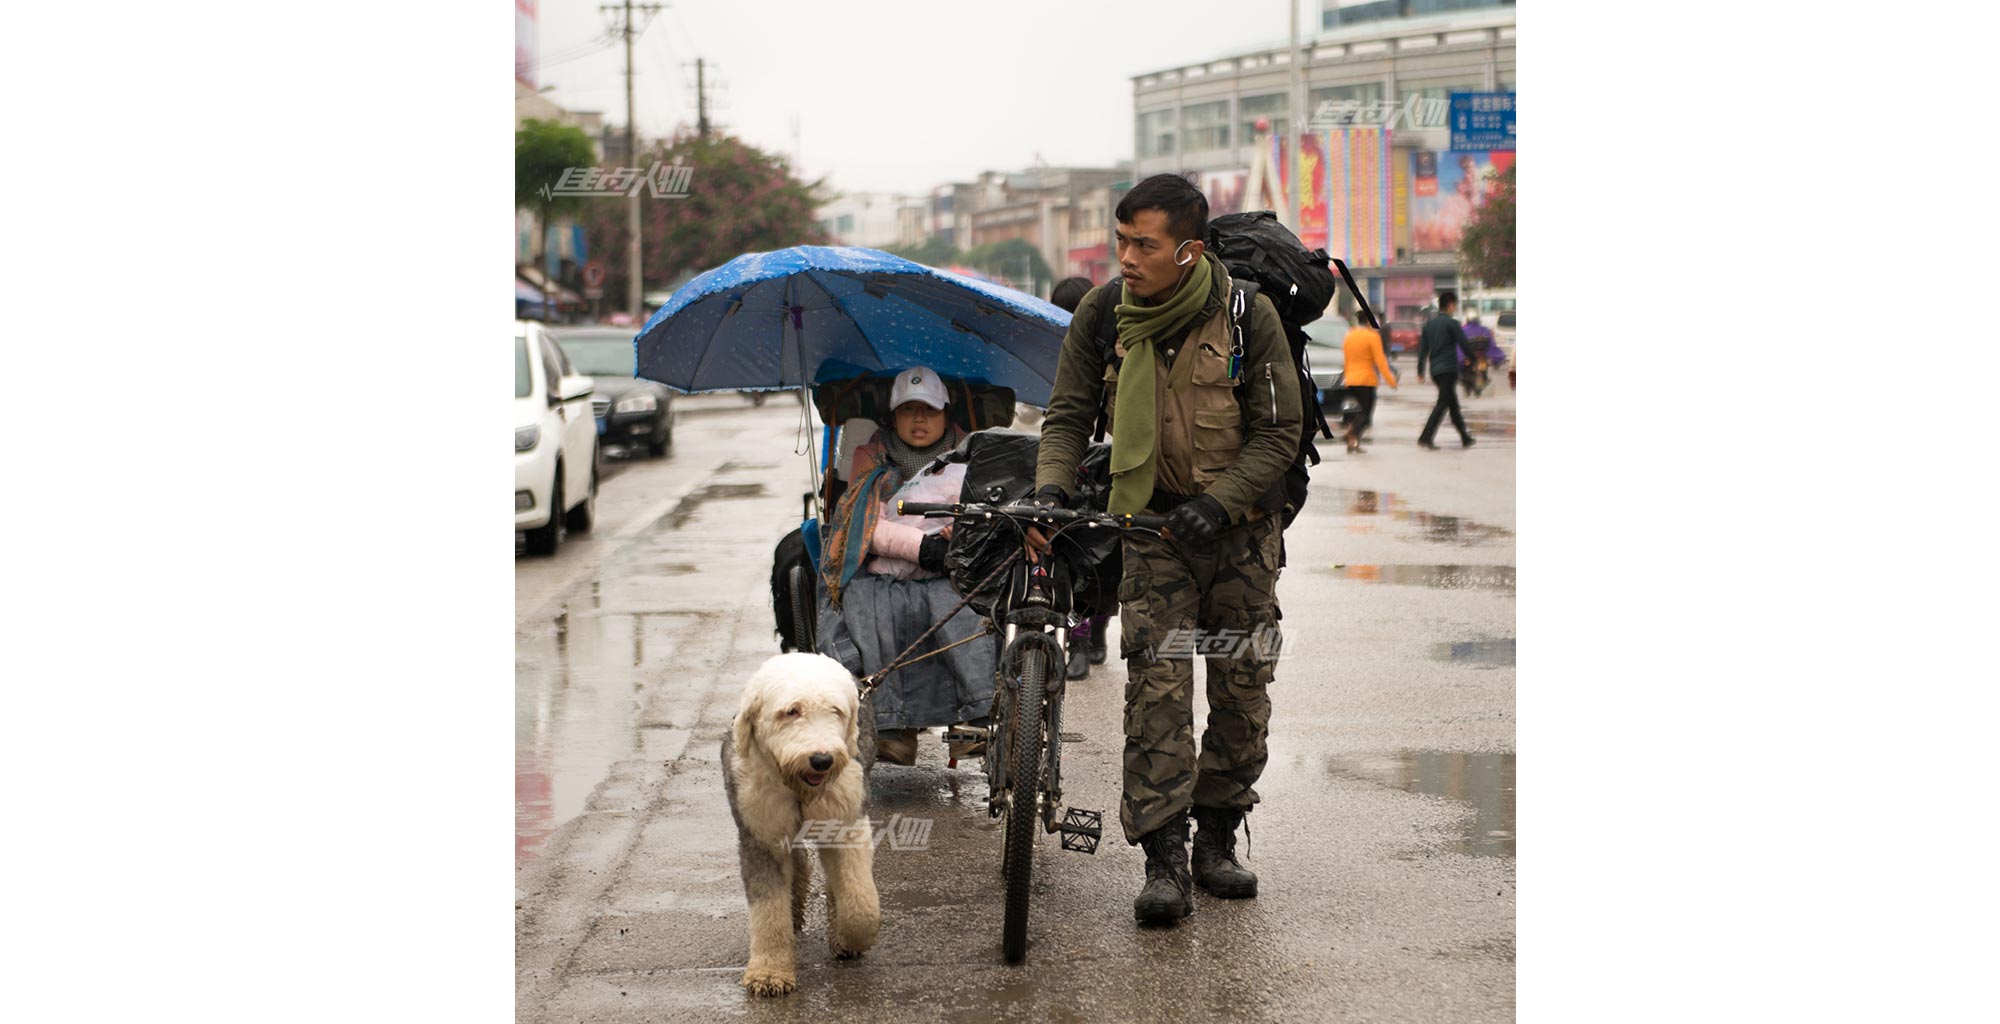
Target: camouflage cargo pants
[(1230, 595)]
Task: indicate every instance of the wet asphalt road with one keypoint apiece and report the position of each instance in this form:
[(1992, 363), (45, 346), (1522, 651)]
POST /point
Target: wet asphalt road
[(1384, 843)]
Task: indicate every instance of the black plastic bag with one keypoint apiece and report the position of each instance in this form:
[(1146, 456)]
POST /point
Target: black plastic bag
[(1000, 470)]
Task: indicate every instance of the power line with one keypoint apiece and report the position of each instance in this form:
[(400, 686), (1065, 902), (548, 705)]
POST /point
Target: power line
[(576, 53)]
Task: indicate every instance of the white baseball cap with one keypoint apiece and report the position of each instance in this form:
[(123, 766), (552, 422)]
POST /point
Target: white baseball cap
[(918, 384)]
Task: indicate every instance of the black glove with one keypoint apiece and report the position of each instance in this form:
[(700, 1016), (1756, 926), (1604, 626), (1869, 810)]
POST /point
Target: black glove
[(1197, 523), (930, 554), (1051, 494)]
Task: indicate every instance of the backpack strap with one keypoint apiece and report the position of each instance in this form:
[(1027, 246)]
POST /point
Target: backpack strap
[(1239, 312)]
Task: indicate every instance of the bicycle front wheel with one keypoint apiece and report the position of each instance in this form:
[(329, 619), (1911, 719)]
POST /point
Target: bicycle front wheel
[(1024, 779)]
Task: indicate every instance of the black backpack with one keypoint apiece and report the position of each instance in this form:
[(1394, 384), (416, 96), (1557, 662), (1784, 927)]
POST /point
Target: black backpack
[(1262, 256), (1255, 247)]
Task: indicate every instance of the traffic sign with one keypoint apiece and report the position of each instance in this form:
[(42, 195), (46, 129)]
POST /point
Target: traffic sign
[(593, 274)]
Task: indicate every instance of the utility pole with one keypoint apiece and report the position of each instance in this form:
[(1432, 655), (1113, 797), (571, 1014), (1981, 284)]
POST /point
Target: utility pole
[(700, 99), (1293, 158), (633, 250)]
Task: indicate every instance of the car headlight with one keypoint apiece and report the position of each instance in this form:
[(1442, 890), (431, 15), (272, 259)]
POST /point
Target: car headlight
[(525, 437), (636, 403)]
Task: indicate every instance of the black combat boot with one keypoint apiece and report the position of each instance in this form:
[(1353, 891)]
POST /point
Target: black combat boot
[(1215, 867), (1169, 892)]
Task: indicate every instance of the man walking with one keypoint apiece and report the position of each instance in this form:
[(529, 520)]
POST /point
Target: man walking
[(1204, 422), (1439, 346)]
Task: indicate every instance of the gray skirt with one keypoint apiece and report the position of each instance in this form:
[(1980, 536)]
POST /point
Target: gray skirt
[(878, 617)]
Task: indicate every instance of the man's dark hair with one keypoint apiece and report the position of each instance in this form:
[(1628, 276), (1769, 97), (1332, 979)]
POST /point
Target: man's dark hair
[(1069, 291), (1447, 299), (1186, 208)]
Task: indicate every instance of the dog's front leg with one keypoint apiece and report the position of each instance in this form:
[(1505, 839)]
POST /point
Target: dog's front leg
[(767, 881), (802, 876), (854, 914)]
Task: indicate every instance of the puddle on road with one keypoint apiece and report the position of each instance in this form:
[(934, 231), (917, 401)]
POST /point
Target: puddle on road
[(1485, 781), (1477, 653), (1362, 506), (1437, 577), (579, 691), (688, 506), (1482, 426)]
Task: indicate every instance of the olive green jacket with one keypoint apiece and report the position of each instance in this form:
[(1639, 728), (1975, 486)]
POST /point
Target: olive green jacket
[(1272, 400)]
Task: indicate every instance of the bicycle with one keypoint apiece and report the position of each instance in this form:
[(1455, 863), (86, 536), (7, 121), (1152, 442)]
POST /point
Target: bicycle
[(1032, 612)]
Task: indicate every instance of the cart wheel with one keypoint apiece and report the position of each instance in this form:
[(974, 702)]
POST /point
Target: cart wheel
[(800, 583)]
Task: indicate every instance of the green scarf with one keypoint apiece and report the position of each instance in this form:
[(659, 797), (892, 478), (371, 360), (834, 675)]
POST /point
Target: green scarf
[(1135, 434)]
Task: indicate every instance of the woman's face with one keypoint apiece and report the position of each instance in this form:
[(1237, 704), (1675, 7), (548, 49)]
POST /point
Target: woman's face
[(918, 424)]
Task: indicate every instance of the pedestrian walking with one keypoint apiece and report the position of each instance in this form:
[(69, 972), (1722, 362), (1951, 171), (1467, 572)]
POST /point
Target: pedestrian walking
[(1365, 366), (1442, 339), (1188, 443)]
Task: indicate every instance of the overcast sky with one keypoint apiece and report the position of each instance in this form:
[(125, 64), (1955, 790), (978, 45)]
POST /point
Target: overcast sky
[(901, 95)]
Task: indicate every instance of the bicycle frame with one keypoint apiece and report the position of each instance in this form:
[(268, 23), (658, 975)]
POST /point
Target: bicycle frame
[(1033, 610)]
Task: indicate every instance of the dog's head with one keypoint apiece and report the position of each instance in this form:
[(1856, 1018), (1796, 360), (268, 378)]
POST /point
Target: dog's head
[(800, 711)]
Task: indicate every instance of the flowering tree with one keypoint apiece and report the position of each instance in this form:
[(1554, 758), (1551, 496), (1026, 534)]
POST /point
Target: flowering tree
[(1486, 249), (740, 199)]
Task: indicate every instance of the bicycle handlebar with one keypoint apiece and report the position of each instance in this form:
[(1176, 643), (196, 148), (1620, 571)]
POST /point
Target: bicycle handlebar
[(1034, 514)]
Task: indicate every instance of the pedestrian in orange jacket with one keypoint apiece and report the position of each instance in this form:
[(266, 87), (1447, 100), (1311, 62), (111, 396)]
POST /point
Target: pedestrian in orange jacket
[(1366, 366)]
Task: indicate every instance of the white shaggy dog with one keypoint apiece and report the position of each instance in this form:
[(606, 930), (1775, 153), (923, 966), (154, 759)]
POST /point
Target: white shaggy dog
[(800, 750)]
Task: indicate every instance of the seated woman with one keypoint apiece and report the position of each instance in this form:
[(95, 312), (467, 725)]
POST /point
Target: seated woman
[(883, 576)]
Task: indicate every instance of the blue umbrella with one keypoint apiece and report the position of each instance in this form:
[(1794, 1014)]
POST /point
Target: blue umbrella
[(795, 317)]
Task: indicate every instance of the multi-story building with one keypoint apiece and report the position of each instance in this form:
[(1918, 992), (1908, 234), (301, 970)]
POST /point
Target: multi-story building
[(1387, 192), (873, 220), (1063, 212)]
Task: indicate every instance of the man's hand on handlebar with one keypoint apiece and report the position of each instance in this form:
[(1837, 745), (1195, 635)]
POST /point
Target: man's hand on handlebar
[(1038, 542)]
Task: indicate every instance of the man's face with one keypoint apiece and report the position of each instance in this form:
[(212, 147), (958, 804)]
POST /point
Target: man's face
[(1146, 255), (918, 424)]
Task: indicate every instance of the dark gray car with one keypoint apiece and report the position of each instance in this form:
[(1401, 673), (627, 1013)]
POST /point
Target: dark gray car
[(629, 411)]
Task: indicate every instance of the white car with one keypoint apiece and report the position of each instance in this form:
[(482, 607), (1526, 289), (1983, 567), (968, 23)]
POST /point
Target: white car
[(1326, 352), (555, 442)]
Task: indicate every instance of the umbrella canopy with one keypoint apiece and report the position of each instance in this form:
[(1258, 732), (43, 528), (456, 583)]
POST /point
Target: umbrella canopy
[(795, 317)]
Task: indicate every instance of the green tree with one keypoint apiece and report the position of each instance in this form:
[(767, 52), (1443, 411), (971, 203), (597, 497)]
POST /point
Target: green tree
[(542, 151), (740, 199), (1016, 260), (1486, 249), (937, 251)]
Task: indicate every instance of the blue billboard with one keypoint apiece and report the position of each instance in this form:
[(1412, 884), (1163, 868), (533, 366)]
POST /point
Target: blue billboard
[(1482, 121)]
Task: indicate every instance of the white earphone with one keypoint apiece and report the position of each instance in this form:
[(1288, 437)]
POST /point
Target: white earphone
[(1178, 262)]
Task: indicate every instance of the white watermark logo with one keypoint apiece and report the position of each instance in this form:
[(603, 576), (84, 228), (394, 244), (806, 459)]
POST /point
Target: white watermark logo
[(1416, 111), (902, 833), (666, 181), (1265, 643)]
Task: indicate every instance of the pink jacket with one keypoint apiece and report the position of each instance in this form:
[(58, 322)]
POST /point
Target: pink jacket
[(897, 538)]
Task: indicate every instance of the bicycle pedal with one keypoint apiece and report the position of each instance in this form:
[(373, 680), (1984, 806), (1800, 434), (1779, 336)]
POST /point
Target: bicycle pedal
[(967, 734), (1081, 829)]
